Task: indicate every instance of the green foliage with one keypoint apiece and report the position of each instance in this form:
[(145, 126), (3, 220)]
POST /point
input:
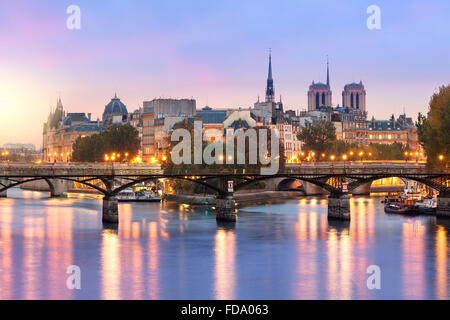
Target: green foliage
[(339, 147), (394, 151), (118, 139), (187, 167), (191, 187), (318, 137), (434, 131)]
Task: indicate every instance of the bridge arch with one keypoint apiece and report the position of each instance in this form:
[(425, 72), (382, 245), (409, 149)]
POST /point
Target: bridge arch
[(50, 184), (198, 181), (318, 181), (290, 184), (426, 181)]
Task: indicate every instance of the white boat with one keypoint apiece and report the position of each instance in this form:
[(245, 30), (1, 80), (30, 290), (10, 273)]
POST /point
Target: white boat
[(427, 205), (128, 195)]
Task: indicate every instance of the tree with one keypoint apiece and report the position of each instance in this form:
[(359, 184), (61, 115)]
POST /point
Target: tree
[(121, 139), (434, 130), (318, 137), (191, 187), (394, 151), (118, 139)]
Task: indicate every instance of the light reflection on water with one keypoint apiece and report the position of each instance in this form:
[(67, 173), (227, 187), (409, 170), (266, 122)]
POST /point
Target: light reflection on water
[(160, 251)]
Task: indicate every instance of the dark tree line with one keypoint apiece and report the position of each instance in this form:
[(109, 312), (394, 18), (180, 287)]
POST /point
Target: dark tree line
[(434, 130), (116, 139)]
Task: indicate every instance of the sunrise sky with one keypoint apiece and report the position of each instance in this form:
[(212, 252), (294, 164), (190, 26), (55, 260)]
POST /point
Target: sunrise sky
[(216, 52)]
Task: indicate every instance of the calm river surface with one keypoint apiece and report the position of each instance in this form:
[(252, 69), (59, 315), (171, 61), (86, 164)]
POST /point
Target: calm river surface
[(161, 251)]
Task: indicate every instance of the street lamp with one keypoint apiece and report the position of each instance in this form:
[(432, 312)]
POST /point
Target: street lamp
[(361, 155), (441, 158), (332, 157)]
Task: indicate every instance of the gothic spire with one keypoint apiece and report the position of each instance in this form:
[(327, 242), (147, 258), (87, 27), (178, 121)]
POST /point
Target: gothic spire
[(270, 92), (328, 73)]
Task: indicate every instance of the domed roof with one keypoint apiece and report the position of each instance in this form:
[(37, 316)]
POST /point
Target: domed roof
[(115, 107)]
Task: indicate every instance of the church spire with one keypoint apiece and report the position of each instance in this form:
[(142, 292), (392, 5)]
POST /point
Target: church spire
[(270, 92), (328, 73), (59, 104)]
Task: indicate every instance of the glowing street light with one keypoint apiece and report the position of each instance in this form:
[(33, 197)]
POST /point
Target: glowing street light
[(441, 157), (332, 157)]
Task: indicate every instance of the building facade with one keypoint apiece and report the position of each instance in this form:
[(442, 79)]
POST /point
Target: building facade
[(401, 130), (354, 96), (148, 136), (320, 94), (61, 131), (171, 107)]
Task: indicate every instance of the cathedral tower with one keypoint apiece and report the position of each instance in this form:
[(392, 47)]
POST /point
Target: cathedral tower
[(319, 94)]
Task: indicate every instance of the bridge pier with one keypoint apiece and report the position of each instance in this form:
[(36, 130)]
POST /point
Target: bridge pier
[(443, 205), (339, 207), (57, 188), (110, 210), (226, 209)]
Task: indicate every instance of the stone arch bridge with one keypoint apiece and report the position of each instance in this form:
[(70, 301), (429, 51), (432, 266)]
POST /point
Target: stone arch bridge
[(339, 179)]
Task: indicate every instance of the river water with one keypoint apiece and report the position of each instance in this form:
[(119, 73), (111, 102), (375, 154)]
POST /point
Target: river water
[(165, 251)]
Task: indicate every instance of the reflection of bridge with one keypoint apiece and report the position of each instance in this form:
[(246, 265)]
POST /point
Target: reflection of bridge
[(338, 179)]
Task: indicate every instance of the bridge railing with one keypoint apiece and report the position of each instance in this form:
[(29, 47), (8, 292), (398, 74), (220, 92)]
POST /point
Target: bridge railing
[(315, 168)]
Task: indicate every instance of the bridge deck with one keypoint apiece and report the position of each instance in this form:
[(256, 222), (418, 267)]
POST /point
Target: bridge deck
[(135, 170)]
